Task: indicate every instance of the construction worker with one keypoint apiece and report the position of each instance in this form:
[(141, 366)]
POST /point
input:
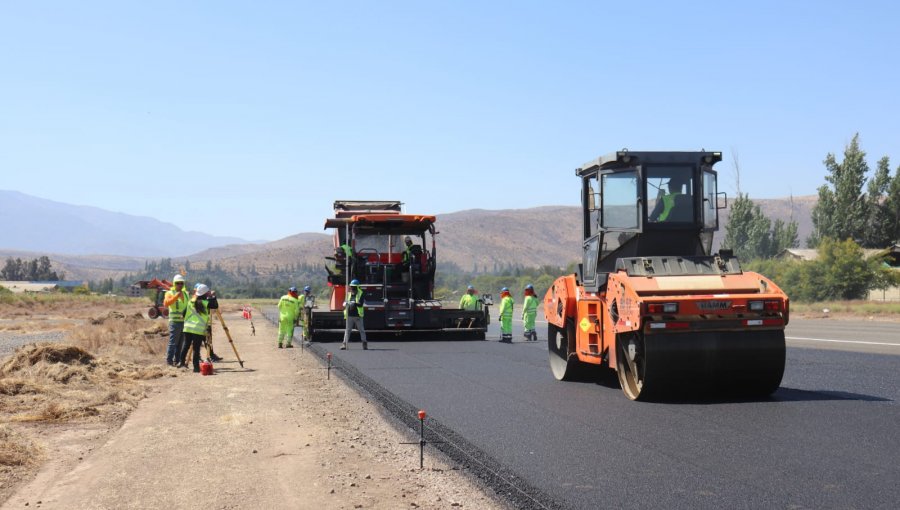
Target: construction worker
[(411, 252), (668, 207), (196, 322), (529, 312), (303, 317), (213, 304), (288, 313), (469, 300), (506, 313), (176, 299), (353, 315)]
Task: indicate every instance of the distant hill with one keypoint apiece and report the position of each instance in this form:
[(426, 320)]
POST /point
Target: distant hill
[(475, 239), (34, 224)]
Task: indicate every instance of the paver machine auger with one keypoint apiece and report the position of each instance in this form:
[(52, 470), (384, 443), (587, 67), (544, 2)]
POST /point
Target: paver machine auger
[(649, 299), (397, 279)]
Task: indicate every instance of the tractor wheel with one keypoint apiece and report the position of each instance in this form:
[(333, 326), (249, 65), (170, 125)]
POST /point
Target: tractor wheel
[(564, 363), (153, 312)]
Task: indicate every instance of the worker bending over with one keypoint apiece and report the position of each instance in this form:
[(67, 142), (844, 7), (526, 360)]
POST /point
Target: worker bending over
[(196, 322)]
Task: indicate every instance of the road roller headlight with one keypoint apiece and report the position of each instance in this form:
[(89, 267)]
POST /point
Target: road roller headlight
[(756, 306)]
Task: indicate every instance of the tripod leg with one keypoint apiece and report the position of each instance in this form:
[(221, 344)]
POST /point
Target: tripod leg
[(230, 340)]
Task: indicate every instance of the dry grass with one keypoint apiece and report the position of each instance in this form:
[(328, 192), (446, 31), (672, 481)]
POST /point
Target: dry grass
[(882, 309), (99, 375), (70, 305)]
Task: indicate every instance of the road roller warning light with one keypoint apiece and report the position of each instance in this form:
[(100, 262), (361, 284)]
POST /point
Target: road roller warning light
[(650, 299)]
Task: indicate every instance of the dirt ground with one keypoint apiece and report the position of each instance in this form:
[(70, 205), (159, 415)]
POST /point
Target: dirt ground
[(275, 434)]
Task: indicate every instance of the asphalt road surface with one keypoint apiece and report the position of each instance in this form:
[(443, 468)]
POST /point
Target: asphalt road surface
[(826, 439)]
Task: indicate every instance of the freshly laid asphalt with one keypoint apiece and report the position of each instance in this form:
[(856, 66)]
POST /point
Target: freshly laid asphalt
[(826, 439)]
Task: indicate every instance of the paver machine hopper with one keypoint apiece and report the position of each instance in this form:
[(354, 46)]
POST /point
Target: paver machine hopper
[(370, 243), (650, 299)]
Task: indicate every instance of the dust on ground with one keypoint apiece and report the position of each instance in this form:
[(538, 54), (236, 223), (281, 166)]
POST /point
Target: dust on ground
[(273, 434)]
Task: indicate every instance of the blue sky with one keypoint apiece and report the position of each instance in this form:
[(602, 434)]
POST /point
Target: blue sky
[(250, 118)]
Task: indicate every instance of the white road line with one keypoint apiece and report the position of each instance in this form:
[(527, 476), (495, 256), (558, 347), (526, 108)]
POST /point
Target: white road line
[(840, 341)]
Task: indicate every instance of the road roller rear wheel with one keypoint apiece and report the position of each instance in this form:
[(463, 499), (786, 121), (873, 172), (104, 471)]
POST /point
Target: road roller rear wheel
[(561, 352), (631, 364)]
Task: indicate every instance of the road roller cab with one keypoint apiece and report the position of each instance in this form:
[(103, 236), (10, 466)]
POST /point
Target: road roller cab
[(650, 299)]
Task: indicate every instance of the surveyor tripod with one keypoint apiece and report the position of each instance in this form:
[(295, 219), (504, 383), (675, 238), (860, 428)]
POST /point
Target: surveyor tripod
[(208, 341)]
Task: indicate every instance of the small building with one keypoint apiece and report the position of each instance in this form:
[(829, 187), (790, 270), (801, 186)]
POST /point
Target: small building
[(798, 254)]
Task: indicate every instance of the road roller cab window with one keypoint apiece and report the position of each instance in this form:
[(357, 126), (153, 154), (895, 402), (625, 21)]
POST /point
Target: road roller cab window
[(670, 194)]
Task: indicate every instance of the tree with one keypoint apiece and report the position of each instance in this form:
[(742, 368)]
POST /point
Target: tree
[(748, 230), (876, 234), (843, 210), (891, 208)]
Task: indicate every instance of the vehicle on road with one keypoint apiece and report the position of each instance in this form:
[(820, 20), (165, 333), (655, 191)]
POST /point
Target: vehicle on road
[(649, 299), (394, 257)]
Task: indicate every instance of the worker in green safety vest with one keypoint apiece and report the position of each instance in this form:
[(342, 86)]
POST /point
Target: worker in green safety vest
[(288, 313), (196, 321), (529, 312), (506, 313), (469, 300), (303, 319), (353, 315), (668, 207), (176, 299)]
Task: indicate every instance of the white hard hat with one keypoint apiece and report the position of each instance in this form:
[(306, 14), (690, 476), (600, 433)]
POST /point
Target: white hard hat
[(178, 278), (202, 289)]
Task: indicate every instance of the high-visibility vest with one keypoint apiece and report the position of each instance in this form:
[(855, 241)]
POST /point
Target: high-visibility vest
[(468, 302), (506, 307), (176, 309), (530, 305), (196, 322), (358, 298), (668, 204), (288, 308)]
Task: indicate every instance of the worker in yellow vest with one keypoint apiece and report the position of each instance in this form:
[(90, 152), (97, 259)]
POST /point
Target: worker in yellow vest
[(469, 300), (529, 312), (196, 322), (506, 313), (288, 313), (305, 303), (353, 315), (176, 299)]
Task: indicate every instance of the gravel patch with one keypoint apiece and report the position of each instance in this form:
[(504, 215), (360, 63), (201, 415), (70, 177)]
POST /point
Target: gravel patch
[(9, 342)]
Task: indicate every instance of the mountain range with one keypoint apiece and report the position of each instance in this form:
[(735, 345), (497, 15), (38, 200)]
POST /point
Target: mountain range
[(475, 239), (33, 224)]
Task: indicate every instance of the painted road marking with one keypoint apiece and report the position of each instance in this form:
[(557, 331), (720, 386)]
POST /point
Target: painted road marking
[(840, 341), (828, 340)]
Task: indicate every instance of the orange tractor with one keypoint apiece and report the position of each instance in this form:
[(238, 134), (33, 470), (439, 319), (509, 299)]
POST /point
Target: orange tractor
[(161, 287), (650, 299)]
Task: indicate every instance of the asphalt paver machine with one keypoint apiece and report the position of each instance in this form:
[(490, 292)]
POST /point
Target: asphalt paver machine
[(397, 280), (650, 299)]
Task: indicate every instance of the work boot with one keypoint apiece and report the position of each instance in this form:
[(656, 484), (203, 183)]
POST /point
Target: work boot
[(343, 347), (289, 346), (279, 346), (365, 346), (215, 358)]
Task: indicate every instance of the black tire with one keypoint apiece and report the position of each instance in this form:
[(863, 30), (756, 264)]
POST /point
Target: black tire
[(153, 312), (564, 363)]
